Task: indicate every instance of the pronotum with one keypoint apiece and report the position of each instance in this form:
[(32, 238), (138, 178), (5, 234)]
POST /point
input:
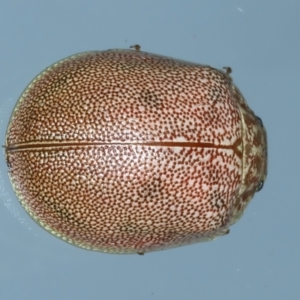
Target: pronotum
[(124, 151)]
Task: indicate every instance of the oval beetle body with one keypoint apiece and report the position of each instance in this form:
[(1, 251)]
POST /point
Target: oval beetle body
[(124, 151)]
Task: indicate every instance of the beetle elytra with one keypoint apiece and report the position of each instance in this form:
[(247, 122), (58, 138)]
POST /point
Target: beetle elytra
[(124, 151)]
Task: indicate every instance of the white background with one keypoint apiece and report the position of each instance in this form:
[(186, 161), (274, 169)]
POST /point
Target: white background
[(260, 40)]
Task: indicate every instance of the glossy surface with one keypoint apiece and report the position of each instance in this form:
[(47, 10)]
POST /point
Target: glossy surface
[(124, 151)]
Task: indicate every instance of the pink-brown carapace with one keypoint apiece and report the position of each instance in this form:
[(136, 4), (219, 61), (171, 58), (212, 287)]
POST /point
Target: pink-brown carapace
[(124, 151)]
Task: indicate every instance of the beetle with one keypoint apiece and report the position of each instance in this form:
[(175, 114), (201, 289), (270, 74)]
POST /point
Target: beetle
[(124, 151)]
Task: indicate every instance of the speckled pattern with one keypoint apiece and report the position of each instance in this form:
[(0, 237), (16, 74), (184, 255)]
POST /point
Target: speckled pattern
[(124, 151)]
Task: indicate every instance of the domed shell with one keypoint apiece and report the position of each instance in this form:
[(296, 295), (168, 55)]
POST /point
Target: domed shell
[(124, 151)]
